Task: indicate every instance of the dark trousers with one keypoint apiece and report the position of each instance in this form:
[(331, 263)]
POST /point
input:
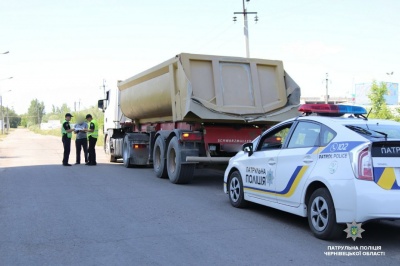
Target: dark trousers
[(81, 144), (92, 150), (67, 148)]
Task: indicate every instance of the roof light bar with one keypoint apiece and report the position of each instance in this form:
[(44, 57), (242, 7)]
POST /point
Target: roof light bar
[(332, 109)]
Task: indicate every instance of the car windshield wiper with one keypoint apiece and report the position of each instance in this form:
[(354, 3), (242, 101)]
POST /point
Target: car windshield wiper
[(364, 131), (359, 130), (380, 132)]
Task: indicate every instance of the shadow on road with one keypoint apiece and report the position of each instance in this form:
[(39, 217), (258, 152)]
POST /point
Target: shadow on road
[(383, 233)]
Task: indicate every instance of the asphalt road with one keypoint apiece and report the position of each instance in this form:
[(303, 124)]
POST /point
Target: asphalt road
[(110, 215)]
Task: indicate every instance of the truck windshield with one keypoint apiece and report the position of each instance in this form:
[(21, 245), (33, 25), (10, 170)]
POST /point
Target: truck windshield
[(377, 130)]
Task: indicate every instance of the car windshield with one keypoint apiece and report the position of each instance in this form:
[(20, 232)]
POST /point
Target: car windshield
[(377, 130)]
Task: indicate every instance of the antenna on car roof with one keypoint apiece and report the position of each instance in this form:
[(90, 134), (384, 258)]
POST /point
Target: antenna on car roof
[(370, 110)]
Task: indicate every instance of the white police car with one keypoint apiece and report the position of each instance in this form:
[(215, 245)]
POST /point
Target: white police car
[(333, 170)]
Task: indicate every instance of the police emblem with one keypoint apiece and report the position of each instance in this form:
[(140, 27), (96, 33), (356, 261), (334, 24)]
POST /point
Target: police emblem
[(270, 177), (354, 230)]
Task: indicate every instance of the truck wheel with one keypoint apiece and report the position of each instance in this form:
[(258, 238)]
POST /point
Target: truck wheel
[(235, 190), (178, 173), (126, 155), (112, 158), (159, 162), (321, 215)]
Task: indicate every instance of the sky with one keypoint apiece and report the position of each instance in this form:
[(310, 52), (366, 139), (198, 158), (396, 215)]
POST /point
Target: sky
[(61, 51)]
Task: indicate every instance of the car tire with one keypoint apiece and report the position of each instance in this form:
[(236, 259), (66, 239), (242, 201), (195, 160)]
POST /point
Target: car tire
[(322, 216), (235, 190), (159, 161), (178, 173)]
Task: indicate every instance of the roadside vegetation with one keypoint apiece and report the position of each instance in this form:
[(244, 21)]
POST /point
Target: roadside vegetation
[(379, 109), (3, 136), (37, 115)]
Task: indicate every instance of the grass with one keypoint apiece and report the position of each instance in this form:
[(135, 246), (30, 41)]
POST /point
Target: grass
[(2, 136), (57, 133)]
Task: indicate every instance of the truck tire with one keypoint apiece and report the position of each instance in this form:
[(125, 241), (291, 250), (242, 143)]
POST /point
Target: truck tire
[(321, 215), (178, 173), (112, 159), (126, 155), (235, 190), (159, 161)]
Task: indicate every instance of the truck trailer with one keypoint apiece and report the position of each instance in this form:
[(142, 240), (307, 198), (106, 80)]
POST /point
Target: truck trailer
[(194, 110)]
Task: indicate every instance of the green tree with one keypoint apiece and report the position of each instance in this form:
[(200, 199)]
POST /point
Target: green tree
[(64, 109), (14, 118), (24, 120), (379, 109), (57, 113), (35, 112)]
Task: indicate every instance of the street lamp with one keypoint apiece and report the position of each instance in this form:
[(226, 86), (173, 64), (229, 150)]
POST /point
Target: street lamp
[(390, 77), (246, 27)]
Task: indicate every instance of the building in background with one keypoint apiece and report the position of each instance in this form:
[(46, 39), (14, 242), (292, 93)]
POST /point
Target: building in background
[(363, 89), (52, 124)]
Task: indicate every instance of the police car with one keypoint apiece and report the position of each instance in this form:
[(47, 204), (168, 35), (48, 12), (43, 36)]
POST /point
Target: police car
[(329, 168)]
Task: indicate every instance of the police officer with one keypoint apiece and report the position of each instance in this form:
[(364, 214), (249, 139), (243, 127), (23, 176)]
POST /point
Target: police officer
[(66, 132), (93, 133)]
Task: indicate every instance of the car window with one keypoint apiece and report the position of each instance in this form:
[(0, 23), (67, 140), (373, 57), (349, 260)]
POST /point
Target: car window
[(274, 139), (306, 134), (327, 136)]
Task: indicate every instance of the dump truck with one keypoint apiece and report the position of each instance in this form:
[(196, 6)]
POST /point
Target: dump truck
[(194, 110)]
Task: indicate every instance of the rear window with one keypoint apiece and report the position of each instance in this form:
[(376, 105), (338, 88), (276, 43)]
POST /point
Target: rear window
[(377, 130)]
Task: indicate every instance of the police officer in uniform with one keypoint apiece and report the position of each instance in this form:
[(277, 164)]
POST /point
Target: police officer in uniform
[(66, 132), (93, 133)]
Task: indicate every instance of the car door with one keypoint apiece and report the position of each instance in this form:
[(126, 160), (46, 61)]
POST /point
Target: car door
[(259, 168), (296, 161)]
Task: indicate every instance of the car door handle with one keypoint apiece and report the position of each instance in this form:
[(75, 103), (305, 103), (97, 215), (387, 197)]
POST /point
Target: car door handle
[(308, 159), (271, 162)]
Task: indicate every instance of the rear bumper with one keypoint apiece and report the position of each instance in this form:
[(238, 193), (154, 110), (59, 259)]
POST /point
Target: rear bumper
[(361, 201), (374, 202)]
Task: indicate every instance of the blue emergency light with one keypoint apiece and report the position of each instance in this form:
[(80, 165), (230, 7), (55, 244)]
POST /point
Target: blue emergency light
[(332, 109)]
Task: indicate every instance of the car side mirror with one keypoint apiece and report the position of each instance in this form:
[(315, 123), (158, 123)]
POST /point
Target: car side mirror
[(248, 147), (100, 105)]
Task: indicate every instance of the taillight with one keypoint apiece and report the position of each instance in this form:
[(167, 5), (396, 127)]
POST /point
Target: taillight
[(191, 136), (139, 146), (364, 165)]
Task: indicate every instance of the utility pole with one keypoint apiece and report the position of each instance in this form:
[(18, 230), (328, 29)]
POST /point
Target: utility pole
[(37, 108), (326, 89), (1, 103), (246, 26), (2, 114), (8, 122)]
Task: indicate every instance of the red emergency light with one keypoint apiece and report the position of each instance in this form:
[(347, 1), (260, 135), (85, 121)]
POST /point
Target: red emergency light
[(332, 109)]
